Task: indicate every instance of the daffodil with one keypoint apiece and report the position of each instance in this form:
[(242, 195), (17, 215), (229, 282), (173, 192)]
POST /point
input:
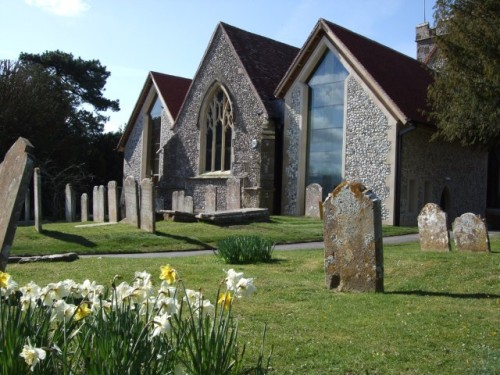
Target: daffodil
[(232, 278), (168, 274), (161, 324), (4, 279), (225, 300), (82, 311), (245, 288), (32, 355)]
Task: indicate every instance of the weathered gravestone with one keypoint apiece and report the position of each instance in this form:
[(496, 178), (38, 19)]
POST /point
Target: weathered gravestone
[(113, 203), (179, 204), (15, 174), (131, 201), (84, 207), (211, 198), (470, 233), (233, 194), (148, 205), (37, 197), (175, 200), (188, 204), (314, 196), (432, 229), (70, 203), (353, 239), (102, 203)]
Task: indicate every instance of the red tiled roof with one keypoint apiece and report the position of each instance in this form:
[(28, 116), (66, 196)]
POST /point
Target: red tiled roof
[(265, 60), (172, 89), (403, 79)]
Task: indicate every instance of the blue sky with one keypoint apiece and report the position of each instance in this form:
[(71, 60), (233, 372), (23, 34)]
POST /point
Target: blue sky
[(133, 37)]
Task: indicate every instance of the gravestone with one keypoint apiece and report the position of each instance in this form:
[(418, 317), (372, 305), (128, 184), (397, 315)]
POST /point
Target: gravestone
[(15, 174), (211, 198), (27, 207), (175, 200), (314, 196), (95, 204), (147, 205), (37, 198), (180, 201), (188, 204), (113, 207), (432, 229), (470, 233), (353, 240), (131, 201), (84, 207), (70, 203), (233, 195)]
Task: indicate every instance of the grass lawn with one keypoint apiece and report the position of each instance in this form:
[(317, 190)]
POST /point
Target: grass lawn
[(123, 238), (440, 313)]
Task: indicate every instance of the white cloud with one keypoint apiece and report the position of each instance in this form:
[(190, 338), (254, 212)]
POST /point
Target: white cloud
[(65, 8)]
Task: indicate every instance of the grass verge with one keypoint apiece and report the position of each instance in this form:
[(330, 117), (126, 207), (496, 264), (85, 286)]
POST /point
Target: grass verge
[(169, 236), (440, 312)]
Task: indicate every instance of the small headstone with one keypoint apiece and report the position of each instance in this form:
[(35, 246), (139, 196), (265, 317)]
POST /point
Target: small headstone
[(314, 196), (27, 207), (37, 198), (147, 205), (470, 233), (84, 204), (131, 201), (432, 229), (70, 203), (15, 174), (180, 201), (353, 240), (233, 195), (188, 204), (113, 208), (211, 198)]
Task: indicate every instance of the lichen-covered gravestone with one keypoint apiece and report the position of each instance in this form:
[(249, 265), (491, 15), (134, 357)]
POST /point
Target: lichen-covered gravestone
[(470, 233), (314, 195), (147, 205), (131, 201), (15, 175), (353, 240), (432, 229)]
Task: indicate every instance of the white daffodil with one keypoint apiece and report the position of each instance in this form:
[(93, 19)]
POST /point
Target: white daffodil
[(31, 289), (168, 305), (161, 324), (32, 355), (62, 311), (245, 288), (28, 302), (232, 278)]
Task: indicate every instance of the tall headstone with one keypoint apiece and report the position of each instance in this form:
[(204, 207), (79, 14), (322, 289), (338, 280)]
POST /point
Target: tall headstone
[(27, 207), (210, 198), (84, 206), (37, 198), (233, 194), (314, 196), (470, 233), (101, 204), (180, 201), (175, 200), (113, 203), (353, 240), (432, 229), (131, 201), (70, 203), (15, 174), (148, 205), (95, 203)]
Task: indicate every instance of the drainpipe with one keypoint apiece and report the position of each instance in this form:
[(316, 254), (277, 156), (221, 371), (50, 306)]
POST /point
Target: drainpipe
[(397, 192)]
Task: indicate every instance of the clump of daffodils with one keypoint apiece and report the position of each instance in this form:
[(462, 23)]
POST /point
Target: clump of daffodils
[(74, 307)]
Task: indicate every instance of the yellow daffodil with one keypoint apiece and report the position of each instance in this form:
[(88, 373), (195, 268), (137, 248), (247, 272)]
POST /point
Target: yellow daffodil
[(4, 279), (82, 311), (225, 300), (168, 274)]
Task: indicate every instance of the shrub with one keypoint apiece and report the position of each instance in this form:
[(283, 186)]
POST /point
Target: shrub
[(245, 249)]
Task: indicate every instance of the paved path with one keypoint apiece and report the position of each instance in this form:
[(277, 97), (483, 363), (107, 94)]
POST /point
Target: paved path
[(294, 246)]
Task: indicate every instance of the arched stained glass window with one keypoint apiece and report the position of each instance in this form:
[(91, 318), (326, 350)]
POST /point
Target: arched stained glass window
[(326, 122), (218, 133)]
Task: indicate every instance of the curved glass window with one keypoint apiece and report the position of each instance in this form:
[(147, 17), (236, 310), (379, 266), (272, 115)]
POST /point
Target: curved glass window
[(155, 136), (218, 133), (326, 122)]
